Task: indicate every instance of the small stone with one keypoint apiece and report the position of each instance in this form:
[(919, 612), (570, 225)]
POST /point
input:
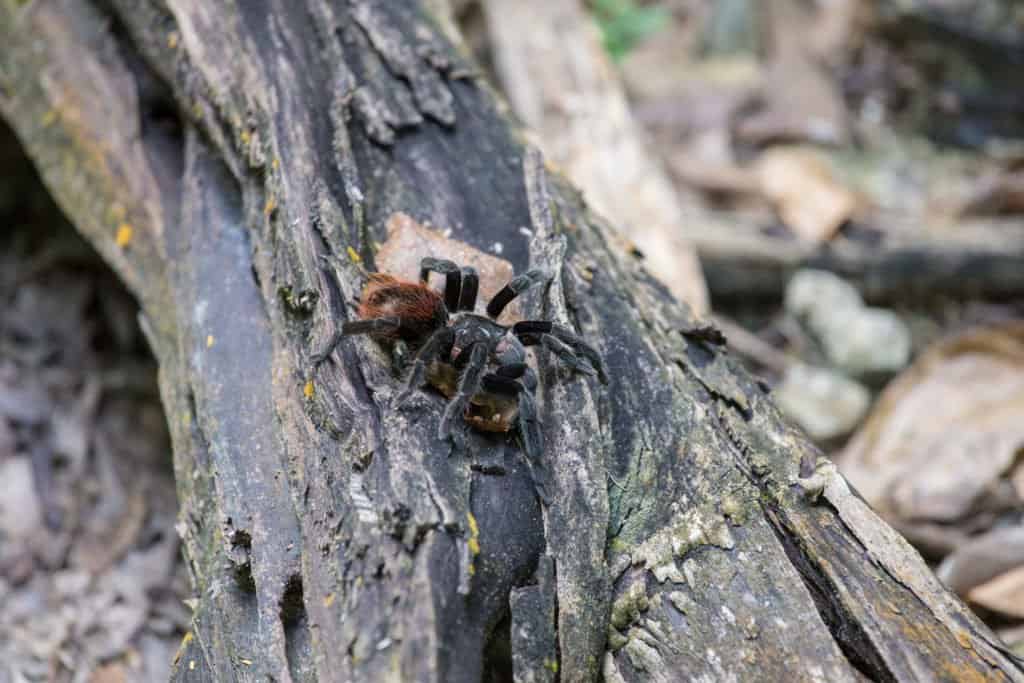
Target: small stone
[(811, 293), (856, 338), (825, 403)]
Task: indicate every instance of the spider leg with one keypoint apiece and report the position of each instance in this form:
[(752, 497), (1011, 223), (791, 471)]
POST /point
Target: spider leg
[(436, 346), (563, 343), (566, 354), (470, 284), (469, 384), (512, 370), (505, 381), (514, 288), (452, 282), (382, 326)]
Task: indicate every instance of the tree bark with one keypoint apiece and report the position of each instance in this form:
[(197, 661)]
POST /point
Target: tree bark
[(237, 164)]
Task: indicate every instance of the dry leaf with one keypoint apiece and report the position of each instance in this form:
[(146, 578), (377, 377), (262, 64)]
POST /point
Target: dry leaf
[(408, 242), (982, 559), (800, 185), (946, 431), (1004, 593)]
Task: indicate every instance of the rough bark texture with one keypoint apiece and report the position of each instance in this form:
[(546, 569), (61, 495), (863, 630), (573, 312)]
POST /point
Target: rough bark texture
[(234, 162)]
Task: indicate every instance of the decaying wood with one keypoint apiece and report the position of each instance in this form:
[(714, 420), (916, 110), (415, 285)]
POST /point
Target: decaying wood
[(237, 164), (743, 265)]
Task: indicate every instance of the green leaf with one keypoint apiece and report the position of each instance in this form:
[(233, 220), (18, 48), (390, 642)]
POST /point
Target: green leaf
[(624, 24)]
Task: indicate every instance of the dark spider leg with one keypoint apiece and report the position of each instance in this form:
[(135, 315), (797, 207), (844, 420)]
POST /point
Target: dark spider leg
[(566, 354), (469, 384), (512, 370), (529, 424), (452, 282), (383, 326), (514, 288), (470, 285), (532, 332), (438, 345)]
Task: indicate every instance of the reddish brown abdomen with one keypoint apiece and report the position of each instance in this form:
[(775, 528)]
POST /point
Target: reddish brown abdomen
[(420, 308)]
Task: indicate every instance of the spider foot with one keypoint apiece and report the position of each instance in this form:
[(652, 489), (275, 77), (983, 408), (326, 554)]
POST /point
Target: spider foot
[(567, 355), (561, 341)]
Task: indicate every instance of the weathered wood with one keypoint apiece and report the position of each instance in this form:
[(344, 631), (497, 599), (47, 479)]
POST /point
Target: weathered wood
[(743, 265), (235, 162)]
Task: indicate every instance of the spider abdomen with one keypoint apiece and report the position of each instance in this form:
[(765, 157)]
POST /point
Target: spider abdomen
[(420, 309)]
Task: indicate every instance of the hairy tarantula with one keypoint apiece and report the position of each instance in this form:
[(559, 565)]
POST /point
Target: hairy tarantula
[(478, 363)]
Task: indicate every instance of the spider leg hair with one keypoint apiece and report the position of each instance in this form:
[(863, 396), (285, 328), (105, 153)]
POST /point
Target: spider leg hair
[(452, 282), (560, 340), (470, 285), (469, 384), (566, 354), (512, 370), (515, 287), (437, 345)]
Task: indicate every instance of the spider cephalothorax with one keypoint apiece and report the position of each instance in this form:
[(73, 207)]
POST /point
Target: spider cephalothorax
[(477, 362)]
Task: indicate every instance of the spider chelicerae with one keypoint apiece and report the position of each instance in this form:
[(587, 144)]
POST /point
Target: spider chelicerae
[(475, 361)]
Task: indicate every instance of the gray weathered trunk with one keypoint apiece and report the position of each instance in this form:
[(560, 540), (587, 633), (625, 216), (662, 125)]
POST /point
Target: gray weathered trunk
[(234, 162)]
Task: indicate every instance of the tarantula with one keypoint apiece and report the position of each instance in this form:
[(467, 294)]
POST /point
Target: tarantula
[(476, 362)]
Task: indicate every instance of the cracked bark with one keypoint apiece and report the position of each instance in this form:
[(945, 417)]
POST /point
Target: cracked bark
[(233, 162)]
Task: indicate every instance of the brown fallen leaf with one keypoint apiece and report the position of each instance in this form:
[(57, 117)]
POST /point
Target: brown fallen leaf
[(1004, 594), (946, 431), (808, 198), (982, 559)]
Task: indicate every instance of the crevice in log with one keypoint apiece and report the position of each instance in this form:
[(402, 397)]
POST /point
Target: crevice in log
[(853, 641), (498, 652), (160, 126), (292, 607), (240, 556), (297, 638)]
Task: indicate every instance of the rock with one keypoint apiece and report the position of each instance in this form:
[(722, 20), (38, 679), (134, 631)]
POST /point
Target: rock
[(857, 339), (825, 403), (810, 293)]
